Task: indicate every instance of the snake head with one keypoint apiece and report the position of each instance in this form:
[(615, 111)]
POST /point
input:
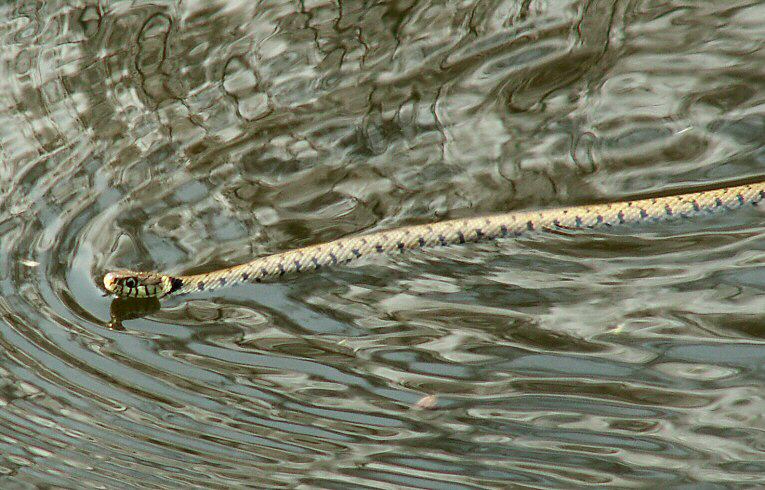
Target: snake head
[(132, 284)]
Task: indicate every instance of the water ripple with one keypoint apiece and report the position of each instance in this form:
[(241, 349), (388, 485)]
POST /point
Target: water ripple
[(187, 137)]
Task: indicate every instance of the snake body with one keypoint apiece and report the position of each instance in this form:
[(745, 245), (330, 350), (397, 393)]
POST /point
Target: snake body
[(151, 284)]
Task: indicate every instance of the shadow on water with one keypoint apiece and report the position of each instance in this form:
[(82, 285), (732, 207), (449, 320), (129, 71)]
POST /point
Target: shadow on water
[(123, 309)]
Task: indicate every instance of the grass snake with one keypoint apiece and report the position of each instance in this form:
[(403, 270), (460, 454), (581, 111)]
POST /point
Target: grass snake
[(133, 284)]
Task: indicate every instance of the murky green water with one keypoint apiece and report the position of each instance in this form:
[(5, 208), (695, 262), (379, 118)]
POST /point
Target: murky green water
[(187, 136)]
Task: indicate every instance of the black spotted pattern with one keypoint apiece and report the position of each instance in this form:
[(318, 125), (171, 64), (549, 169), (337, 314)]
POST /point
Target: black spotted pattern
[(463, 231)]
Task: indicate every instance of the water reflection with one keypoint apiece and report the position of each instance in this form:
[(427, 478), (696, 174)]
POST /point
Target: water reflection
[(123, 309), (185, 137)]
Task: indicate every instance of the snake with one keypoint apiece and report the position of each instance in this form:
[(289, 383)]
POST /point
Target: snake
[(138, 284)]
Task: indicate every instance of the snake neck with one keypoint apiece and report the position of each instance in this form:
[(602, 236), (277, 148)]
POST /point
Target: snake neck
[(172, 284)]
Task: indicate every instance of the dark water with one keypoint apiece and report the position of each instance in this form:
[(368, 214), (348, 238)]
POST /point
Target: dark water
[(188, 136)]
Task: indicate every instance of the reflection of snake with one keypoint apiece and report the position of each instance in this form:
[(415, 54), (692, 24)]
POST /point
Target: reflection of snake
[(150, 284)]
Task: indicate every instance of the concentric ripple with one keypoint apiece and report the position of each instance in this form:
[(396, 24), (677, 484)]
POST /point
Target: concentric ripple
[(189, 136)]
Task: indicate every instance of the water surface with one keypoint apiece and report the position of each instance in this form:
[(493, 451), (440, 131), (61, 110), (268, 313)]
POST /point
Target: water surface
[(188, 136)]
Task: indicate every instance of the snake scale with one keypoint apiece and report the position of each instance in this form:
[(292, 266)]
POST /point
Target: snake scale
[(134, 284)]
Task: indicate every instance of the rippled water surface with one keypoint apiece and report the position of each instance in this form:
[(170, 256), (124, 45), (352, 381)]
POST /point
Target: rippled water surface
[(189, 136)]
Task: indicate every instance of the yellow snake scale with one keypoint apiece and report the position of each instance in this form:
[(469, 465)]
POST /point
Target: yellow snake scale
[(148, 284)]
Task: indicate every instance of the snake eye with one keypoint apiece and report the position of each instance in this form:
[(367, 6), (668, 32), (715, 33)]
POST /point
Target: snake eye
[(130, 283)]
